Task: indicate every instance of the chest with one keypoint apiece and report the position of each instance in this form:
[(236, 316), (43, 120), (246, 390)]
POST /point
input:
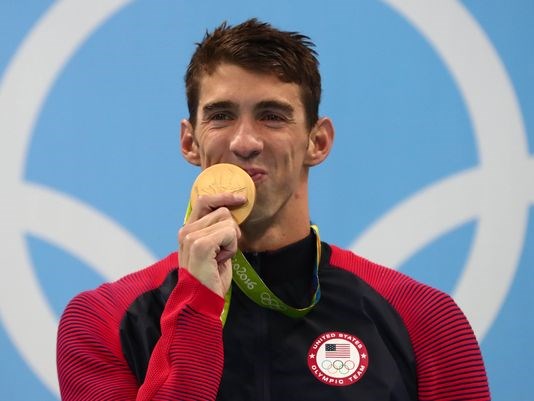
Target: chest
[(352, 346)]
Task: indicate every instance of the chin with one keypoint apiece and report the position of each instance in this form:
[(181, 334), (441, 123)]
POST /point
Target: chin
[(257, 216)]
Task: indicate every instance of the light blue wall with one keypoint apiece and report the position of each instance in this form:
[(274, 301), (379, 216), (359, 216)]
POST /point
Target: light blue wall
[(106, 136)]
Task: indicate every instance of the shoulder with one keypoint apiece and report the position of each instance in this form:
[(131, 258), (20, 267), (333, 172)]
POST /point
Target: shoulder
[(400, 290), (440, 332), (108, 302), (428, 313)]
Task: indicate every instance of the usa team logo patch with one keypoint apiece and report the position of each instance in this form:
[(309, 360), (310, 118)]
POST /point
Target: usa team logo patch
[(338, 359)]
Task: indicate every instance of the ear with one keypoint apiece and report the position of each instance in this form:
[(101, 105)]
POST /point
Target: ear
[(320, 143), (188, 143)]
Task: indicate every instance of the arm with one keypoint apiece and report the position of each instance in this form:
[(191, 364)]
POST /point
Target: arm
[(185, 364), (187, 361), (89, 357), (191, 368), (449, 361)]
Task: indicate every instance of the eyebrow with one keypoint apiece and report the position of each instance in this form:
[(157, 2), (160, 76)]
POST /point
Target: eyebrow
[(264, 104), (224, 104), (284, 107)]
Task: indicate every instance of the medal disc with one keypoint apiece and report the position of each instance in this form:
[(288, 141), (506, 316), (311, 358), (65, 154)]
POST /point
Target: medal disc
[(225, 177)]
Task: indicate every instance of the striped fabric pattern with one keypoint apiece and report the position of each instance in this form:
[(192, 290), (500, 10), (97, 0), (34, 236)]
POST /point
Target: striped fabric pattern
[(449, 363), (90, 362)]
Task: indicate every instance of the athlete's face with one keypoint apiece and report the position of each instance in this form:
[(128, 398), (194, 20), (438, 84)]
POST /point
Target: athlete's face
[(257, 122)]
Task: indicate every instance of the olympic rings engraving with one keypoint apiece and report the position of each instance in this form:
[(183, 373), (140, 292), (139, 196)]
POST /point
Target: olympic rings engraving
[(271, 302)]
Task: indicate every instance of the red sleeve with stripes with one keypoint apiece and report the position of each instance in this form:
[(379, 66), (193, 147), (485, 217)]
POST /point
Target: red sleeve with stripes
[(186, 363), (448, 358)]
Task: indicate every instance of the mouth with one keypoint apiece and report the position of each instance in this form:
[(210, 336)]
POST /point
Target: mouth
[(256, 174)]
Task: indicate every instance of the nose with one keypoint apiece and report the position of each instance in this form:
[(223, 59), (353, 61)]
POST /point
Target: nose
[(246, 142)]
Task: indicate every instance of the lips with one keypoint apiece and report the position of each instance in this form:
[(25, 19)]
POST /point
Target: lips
[(255, 173)]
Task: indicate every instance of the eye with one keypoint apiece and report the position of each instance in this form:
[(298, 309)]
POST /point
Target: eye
[(273, 117), (220, 116), (274, 120)]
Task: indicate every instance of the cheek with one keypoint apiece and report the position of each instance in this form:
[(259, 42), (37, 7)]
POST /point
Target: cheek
[(289, 165), (294, 155), (211, 147)]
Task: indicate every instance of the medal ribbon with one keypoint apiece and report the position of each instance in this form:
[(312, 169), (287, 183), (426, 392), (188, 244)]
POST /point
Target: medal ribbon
[(248, 281)]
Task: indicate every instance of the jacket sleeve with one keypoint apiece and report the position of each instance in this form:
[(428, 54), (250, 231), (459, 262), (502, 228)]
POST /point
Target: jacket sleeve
[(448, 358), (186, 363), (449, 363)]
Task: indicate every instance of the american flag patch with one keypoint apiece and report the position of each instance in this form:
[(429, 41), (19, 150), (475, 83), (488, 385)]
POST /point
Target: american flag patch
[(335, 350)]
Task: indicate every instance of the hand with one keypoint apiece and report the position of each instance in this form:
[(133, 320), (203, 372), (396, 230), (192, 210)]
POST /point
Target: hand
[(209, 240)]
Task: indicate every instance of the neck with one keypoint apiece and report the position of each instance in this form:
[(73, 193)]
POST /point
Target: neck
[(265, 236), (256, 239), (268, 230)]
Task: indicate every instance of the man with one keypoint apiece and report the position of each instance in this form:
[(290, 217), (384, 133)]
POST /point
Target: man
[(328, 325)]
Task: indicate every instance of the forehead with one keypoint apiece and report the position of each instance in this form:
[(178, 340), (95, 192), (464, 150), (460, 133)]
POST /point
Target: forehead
[(232, 83)]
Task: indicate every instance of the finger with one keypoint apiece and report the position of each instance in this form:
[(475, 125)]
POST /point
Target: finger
[(215, 244), (207, 254), (208, 239), (188, 237), (206, 204), (203, 227), (218, 215)]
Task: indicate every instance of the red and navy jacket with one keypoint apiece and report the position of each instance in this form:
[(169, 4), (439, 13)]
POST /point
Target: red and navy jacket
[(375, 334)]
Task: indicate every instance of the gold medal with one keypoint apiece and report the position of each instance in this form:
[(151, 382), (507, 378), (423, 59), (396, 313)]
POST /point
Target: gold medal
[(225, 177)]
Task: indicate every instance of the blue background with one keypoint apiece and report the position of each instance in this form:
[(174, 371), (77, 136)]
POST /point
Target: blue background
[(108, 135)]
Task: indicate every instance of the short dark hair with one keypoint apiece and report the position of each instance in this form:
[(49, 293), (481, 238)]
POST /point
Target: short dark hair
[(258, 47)]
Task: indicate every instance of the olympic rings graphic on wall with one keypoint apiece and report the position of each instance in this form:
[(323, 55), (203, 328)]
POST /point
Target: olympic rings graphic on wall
[(73, 22)]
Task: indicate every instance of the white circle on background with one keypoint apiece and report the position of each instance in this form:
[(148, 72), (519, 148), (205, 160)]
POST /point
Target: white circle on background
[(497, 192), (54, 217)]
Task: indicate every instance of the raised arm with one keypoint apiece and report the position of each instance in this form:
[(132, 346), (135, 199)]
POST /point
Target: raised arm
[(185, 364)]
